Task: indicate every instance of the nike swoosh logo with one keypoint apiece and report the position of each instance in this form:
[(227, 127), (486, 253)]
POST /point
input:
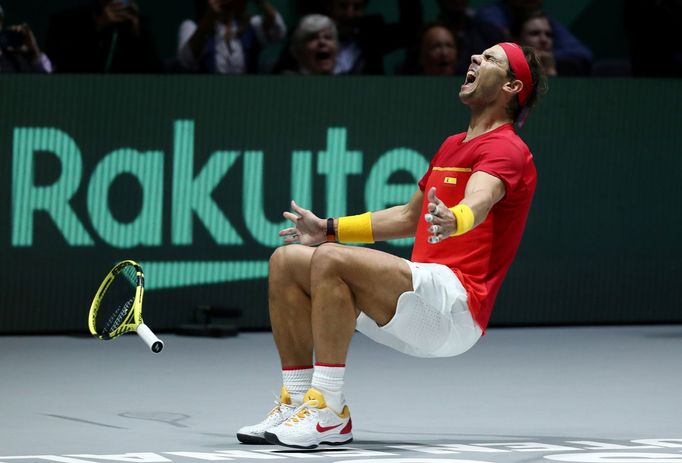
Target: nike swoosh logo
[(325, 428), (174, 274)]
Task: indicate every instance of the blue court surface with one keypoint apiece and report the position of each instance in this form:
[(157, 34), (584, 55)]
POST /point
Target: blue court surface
[(583, 394)]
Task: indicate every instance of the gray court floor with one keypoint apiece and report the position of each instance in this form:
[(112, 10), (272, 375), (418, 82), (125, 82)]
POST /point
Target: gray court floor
[(553, 394)]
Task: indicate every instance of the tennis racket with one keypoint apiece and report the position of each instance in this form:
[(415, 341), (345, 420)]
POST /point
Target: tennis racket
[(117, 306)]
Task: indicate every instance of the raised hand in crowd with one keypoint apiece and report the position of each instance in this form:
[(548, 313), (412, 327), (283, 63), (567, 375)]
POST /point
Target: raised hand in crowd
[(119, 12), (19, 50), (224, 39), (25, 41), (102, 36)]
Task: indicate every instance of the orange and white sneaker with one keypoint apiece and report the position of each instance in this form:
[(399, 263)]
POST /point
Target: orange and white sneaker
[(313, 423), (283, 410)]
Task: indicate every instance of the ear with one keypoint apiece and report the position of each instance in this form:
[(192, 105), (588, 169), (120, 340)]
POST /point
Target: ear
[(513, 87)]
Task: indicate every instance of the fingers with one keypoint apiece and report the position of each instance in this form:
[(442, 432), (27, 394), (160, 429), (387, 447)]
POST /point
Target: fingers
[(435, 207), (435, 212), (290, 216), (435, 229), (290, 235), (288, 231), (434, 239), (436, 216), (297, 209), (292, 239), (432, 194), (436, 234)]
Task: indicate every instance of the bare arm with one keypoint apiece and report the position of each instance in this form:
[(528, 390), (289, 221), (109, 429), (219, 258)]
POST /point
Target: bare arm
[(269, 15), (398, 221), (206, 27), (387, 224), (482, 192)]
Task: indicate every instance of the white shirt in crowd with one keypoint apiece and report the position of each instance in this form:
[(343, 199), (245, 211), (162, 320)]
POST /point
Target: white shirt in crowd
[(228, 59)]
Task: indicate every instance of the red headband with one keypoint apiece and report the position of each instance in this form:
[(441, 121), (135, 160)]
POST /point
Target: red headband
[(520, 68)]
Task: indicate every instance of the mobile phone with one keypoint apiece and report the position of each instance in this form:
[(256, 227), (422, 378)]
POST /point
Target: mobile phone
[(11, 39)]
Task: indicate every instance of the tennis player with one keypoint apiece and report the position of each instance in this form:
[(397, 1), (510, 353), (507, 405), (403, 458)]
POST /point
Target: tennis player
[(467, 217)]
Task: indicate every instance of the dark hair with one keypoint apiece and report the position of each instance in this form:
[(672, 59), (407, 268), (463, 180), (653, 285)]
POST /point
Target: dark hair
[(537, 72), (411, 65), (432, 25), (516, 25), (241, 16)]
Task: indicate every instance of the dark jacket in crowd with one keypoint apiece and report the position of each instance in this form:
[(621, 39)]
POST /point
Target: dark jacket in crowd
[(76, 46)]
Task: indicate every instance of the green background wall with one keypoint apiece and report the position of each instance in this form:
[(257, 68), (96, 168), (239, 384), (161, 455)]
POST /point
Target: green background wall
[(602, 243)]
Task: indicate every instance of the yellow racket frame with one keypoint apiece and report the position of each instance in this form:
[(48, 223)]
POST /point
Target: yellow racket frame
[(134, 317)]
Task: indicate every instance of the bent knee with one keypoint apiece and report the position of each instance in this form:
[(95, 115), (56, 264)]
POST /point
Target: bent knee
[(327, 258), (293, 255)]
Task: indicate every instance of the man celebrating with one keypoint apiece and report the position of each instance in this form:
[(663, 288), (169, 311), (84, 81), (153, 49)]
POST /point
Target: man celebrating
[(467, 217)]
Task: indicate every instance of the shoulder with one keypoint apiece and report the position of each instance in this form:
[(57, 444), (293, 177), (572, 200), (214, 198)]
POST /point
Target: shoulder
[(506, 141), (454, 139), (504, 149), (449, 144)]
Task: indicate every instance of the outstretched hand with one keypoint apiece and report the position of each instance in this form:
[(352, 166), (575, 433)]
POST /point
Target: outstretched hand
[(442, 220), (308, 228)]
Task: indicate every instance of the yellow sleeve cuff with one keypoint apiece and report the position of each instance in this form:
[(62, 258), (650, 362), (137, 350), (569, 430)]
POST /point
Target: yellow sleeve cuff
[(464, 217), (356, 229)]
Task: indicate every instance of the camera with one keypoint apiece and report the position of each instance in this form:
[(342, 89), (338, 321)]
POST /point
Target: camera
[(11, 39)]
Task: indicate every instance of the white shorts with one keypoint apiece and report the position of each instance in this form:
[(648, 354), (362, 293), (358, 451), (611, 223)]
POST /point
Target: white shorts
[(431, 321)]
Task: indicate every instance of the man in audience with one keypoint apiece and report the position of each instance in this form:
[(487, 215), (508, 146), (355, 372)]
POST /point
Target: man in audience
[(472, 34), (571, 55), (536, 31), (435, 53)]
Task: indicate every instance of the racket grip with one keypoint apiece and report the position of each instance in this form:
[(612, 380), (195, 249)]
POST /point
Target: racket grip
[(154, 343)]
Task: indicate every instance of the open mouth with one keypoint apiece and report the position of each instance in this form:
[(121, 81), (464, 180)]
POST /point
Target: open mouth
[(322, 55), (470, 78)]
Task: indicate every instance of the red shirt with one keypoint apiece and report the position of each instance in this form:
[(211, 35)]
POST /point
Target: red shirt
[(481, 257)]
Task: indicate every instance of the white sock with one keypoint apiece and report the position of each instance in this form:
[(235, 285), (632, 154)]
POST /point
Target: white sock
[(297, 381), (328, 379)]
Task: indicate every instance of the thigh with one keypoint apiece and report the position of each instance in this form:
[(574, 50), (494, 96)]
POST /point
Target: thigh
[(376, 279), (433, 320)]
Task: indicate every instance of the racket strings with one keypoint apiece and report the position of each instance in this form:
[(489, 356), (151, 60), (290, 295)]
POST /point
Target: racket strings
[(117, 318)]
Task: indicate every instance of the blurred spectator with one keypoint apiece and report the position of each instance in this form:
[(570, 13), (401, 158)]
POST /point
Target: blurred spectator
[(572, 57), (536, 31), (472, 35), (225, 40), (314, 45), (365, 39), (653, 30), (102, 36), (436, 53), (19, 50)]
